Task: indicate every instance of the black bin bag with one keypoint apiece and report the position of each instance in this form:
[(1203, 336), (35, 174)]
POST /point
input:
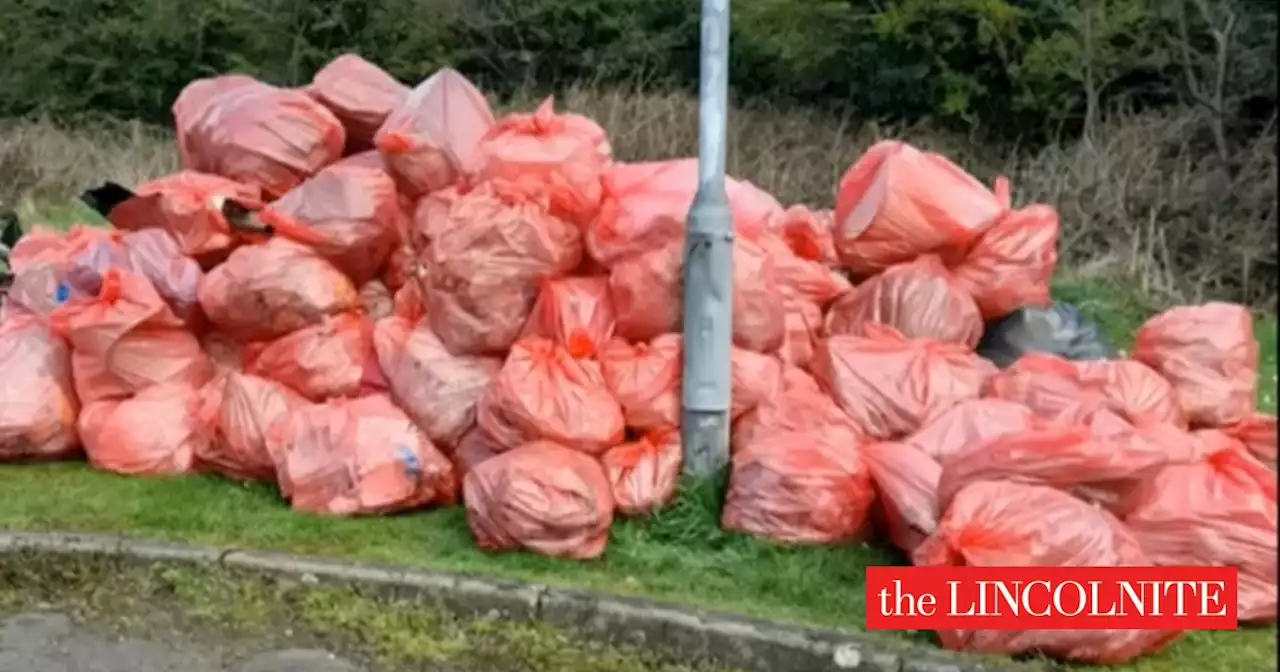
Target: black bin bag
[(1059, 329)]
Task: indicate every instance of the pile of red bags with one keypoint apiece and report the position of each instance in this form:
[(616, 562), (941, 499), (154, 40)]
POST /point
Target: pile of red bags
[(435, 302)]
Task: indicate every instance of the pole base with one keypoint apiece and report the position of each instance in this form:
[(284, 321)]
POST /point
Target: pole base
[(705, 435)]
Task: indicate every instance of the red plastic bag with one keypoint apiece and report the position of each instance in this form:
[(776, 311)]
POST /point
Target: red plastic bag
[(150, 253), (473, 449), (1100, 471), (225, 352), (645, 205), (349, 213), (239, 411), (906, 480), (808, 234), (34, 293), (401, 266), (266, 291), (543, 393), (408, 303), (798, 408), (1012, 263), (645, 379), (42, 245), (436, 389), (38, 405), (189, 205), (577, 313), (891, 385), (562, 155), (759, 311), (156, 432), (255, 133), (644, 473), (898, 202), (920, 299), (1005, 524), (377, 300), (970, 422), (801, 278), (648, 292), (360, 457), (486, 263), (127, 339), (1258, 434), (360, 94), (334, 358), (804, 487), (755, 379), (542, 497), (1209, 354), (1049, 385), (803, 329), (1218, 510), (431, 140), (1133, 390)]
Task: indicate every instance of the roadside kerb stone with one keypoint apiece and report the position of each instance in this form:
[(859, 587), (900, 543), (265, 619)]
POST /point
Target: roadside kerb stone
[(750, 644)]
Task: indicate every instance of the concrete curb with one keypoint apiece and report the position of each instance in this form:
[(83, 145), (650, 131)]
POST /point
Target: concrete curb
[(749, 644)]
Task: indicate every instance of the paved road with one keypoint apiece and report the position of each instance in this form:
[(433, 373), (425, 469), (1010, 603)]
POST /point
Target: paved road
[(51, 642)]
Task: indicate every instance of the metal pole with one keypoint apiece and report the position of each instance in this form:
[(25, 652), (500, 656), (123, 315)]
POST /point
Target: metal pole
[(708, 265)]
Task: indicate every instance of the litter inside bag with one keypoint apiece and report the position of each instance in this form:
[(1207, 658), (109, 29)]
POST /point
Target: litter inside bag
[(190, 207), (438, 390), (906, 481), (126, 338), (891, 385), (239, 410), (543, 497), (350, 214), (559, 154), (1006, 524), (377, 300), (360, 94), (803, 487), (255, 133), (543, 393), (1209, 354), (920, 299), (38, 404), (431, 140), (575, 312), (156, 432), (486, 264), (266, 291), (898, 202), (644, 473), (645, 379), (1012, 263), (1058, 329), (648, 292), (360, 457), (334, 358), (1217, 510), (759, 311)]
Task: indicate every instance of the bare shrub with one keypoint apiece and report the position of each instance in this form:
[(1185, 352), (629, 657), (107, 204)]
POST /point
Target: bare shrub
[(1143, 199)]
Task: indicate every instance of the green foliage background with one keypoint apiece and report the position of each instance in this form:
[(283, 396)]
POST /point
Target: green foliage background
[(1015, 67)]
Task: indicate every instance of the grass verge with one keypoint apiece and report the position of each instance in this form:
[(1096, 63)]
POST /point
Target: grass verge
[(680, 554), (242, 614)]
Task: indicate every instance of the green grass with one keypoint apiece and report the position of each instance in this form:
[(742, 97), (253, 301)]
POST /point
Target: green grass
[(242, 614), (680, 555)]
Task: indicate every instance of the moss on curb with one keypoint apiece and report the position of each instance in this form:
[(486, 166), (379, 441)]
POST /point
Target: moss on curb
[(213, 606)]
